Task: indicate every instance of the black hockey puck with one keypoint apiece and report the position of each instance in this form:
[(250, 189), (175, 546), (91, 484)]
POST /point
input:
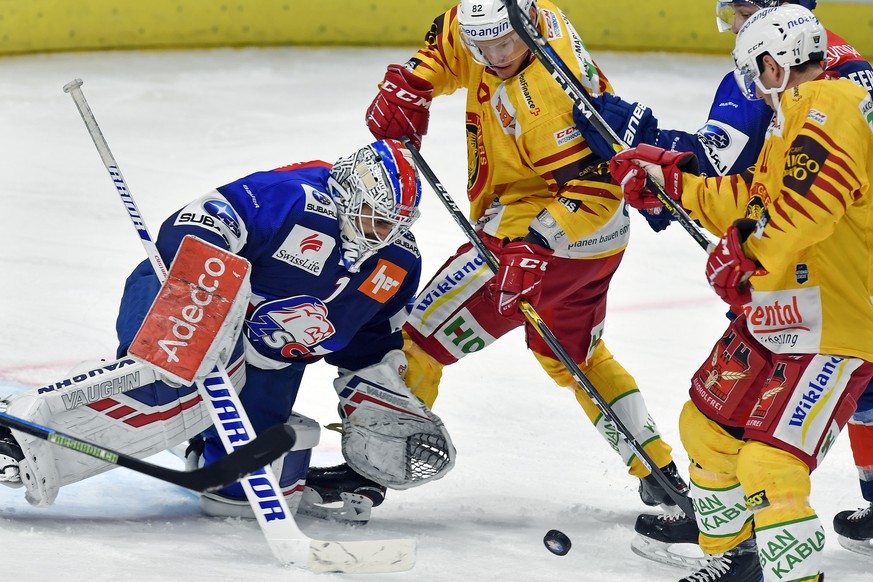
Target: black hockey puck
[(557, 542)]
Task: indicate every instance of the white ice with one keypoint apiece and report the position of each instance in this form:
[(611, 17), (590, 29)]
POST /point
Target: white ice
[(181, 123)]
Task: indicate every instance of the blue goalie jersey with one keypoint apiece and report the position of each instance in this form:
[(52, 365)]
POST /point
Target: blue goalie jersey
[(305, 304)]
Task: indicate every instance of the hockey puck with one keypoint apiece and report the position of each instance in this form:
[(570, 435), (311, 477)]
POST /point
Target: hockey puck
[(557, 542)]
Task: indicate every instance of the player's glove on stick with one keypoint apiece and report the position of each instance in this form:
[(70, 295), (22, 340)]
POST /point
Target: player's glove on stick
[(522, 266), (630, 167), (632, 122), (728, 268), (402, 107)]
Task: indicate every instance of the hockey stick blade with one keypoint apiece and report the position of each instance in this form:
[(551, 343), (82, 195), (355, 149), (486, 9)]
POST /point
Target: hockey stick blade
[(263, 450)]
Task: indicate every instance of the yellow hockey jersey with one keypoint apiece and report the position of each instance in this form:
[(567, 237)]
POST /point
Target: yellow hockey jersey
[(810, 192), (524, 151)]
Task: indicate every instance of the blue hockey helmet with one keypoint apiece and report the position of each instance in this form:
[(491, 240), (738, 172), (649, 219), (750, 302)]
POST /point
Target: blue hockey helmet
[(725, 12), (377, 192)]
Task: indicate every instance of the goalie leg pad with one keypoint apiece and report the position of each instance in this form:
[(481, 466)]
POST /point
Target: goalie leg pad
[(389, 436), (139, 422)]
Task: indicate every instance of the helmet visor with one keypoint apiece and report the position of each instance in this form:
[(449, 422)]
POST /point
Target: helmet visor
[(726, 14), (746, 83), (496, 52)]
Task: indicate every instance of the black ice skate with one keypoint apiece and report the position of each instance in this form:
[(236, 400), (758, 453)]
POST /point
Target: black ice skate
[(669, 538), (10, 457), (652, 493), (340, 484), (855, 530), (739, 564)]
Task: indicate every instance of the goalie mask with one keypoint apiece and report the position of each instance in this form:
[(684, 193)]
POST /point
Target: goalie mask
[(377, 192), (726, 12), (487, 33)]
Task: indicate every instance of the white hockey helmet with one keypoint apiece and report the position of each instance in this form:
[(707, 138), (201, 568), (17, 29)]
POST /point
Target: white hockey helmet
[(487, 21), (790, 34), (377, 193)]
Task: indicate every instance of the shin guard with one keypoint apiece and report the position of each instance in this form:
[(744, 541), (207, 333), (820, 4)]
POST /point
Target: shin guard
[(719, 503), (790, 535), (620, 391)]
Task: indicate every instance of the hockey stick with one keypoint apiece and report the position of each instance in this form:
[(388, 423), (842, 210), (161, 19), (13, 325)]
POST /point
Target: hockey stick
[(269, 446), (553, 63), (288, 544), (537, 322)]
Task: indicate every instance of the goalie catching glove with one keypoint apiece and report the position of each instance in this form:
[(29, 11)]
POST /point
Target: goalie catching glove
[(389, 436)]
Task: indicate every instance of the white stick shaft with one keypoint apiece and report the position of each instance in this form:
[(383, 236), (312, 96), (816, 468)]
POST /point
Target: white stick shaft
[(74, 88), (227, 413)]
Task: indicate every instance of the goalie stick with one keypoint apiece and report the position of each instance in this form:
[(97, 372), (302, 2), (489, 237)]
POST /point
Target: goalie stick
[(287, 542), (537, 322), (266, 448), (553, 63)]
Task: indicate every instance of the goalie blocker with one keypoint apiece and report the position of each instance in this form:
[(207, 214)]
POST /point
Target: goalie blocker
[(193, 324), (197, 317)]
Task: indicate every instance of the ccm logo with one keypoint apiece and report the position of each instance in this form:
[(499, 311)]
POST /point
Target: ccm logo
[(532, 264), (183, 329), (405, 95)]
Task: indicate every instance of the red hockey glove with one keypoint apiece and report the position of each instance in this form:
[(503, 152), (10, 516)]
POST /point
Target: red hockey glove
[(629, 169), (522, 266), (402, 106), (728, 269)]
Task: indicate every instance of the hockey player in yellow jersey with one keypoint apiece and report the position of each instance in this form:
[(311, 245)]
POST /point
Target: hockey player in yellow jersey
[(795, 259), (543, 203)]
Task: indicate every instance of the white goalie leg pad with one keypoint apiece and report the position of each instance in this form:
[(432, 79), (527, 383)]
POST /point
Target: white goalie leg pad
[(633, 413), (389, 435), (119, 422)]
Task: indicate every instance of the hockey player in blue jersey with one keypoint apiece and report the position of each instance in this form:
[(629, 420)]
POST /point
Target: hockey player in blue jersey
[(333, 266), (729, 143)]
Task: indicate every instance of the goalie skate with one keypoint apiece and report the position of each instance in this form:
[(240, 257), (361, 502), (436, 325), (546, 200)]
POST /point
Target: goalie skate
[(355, 509), (668, 538), (326, 486), (10, 457), (855, 530)]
